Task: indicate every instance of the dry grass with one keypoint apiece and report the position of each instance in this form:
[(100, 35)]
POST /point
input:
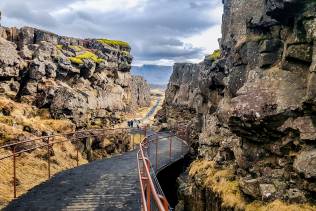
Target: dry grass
[(136, 139), (279, 206), (31, 167), (219, 181)]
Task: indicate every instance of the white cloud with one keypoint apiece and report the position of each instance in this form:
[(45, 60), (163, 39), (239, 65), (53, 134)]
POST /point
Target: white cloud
[(106, 5), (207, 40), (159, 31)]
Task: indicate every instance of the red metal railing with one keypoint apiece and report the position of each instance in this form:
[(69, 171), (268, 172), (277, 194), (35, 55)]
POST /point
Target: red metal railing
[(152, 196), (49, 141)]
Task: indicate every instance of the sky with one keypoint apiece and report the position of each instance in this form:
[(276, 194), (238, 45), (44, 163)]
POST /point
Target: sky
[(159, 31)]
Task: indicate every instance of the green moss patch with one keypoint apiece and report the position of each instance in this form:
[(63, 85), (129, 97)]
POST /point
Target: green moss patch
[(86, 55), (59, 47), (215, 55), (114, 42), (125, 53), (77, 48)]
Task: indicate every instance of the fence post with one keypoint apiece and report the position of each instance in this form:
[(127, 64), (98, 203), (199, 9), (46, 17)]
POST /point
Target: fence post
[(48, 158), (148, 195), (165, 203), (156, 153), (77, 155), (148, 189), (14, 171), (145, 131), (170, 145)]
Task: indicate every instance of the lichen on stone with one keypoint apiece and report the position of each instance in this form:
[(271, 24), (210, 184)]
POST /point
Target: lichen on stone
[(86, 55), (114, 43), (215, 55)]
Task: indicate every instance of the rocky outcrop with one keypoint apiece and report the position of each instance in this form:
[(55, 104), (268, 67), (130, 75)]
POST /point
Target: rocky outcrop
[(140, 92), (255, 106), (85, 80)]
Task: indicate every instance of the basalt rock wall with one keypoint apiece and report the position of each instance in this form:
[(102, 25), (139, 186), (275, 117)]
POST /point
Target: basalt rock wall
[(85, 80), (254, 107)]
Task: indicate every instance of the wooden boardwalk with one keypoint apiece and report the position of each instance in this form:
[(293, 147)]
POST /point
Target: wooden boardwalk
[(108, 184)]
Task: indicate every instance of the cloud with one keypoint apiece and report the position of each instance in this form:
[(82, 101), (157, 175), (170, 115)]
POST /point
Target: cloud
[(158, 30)]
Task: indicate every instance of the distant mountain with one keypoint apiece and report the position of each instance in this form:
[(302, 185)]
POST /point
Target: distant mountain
[(154, 74)]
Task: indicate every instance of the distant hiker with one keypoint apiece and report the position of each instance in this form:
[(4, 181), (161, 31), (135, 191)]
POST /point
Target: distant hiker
[(129, 123)]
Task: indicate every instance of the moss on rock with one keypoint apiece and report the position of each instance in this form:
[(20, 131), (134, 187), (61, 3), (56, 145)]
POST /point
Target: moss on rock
[(215, 55), (86, 55), (114, 43)]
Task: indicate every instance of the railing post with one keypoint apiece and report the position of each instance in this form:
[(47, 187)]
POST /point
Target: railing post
[(48, 158), (14, 172), (145, 131), (170, 145), (156, 153), (148, 195), (165, 203), (77, 148), (133, 139), (148, 189)]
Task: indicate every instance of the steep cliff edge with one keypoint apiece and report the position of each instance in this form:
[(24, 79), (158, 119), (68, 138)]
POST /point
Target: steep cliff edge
[(253, 110), (51, 84), (85, 80)]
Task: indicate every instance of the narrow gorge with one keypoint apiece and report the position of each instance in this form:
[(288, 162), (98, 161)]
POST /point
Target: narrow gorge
[(51, 84), (251, 108)]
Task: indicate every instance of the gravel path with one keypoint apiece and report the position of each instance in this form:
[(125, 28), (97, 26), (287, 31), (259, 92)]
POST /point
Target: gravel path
[(109, 184)]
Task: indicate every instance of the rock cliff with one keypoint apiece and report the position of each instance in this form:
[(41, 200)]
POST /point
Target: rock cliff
[(253, 110), (85, 80)]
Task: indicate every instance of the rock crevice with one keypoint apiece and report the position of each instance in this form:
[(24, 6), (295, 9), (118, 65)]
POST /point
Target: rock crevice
[(253, 109)]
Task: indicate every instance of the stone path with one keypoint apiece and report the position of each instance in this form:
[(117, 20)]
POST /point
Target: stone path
[(109, 184)]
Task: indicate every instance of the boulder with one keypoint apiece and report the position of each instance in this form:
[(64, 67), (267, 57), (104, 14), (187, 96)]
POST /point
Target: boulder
[(305, 163), (302, 52), (295, 195), (267, 191), (10, 61), (250, 187)]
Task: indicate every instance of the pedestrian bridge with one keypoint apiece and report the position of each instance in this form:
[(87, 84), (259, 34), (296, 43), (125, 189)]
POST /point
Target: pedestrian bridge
[(123, 182)]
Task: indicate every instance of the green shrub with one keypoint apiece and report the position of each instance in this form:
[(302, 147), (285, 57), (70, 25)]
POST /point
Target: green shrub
[(114, 42)]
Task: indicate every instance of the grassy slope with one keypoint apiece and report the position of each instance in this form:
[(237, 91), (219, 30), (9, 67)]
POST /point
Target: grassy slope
[(22, 122), (219, 181)]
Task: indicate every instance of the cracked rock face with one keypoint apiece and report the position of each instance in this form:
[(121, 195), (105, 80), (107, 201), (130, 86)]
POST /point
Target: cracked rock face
[(254, 108), (87, 81)]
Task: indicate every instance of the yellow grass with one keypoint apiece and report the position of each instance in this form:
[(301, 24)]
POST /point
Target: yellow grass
[(218, 181), (278, 205), (136, 139), (31, 167)]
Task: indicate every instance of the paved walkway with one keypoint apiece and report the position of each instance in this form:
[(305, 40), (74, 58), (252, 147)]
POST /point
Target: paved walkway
[(109, 184)]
